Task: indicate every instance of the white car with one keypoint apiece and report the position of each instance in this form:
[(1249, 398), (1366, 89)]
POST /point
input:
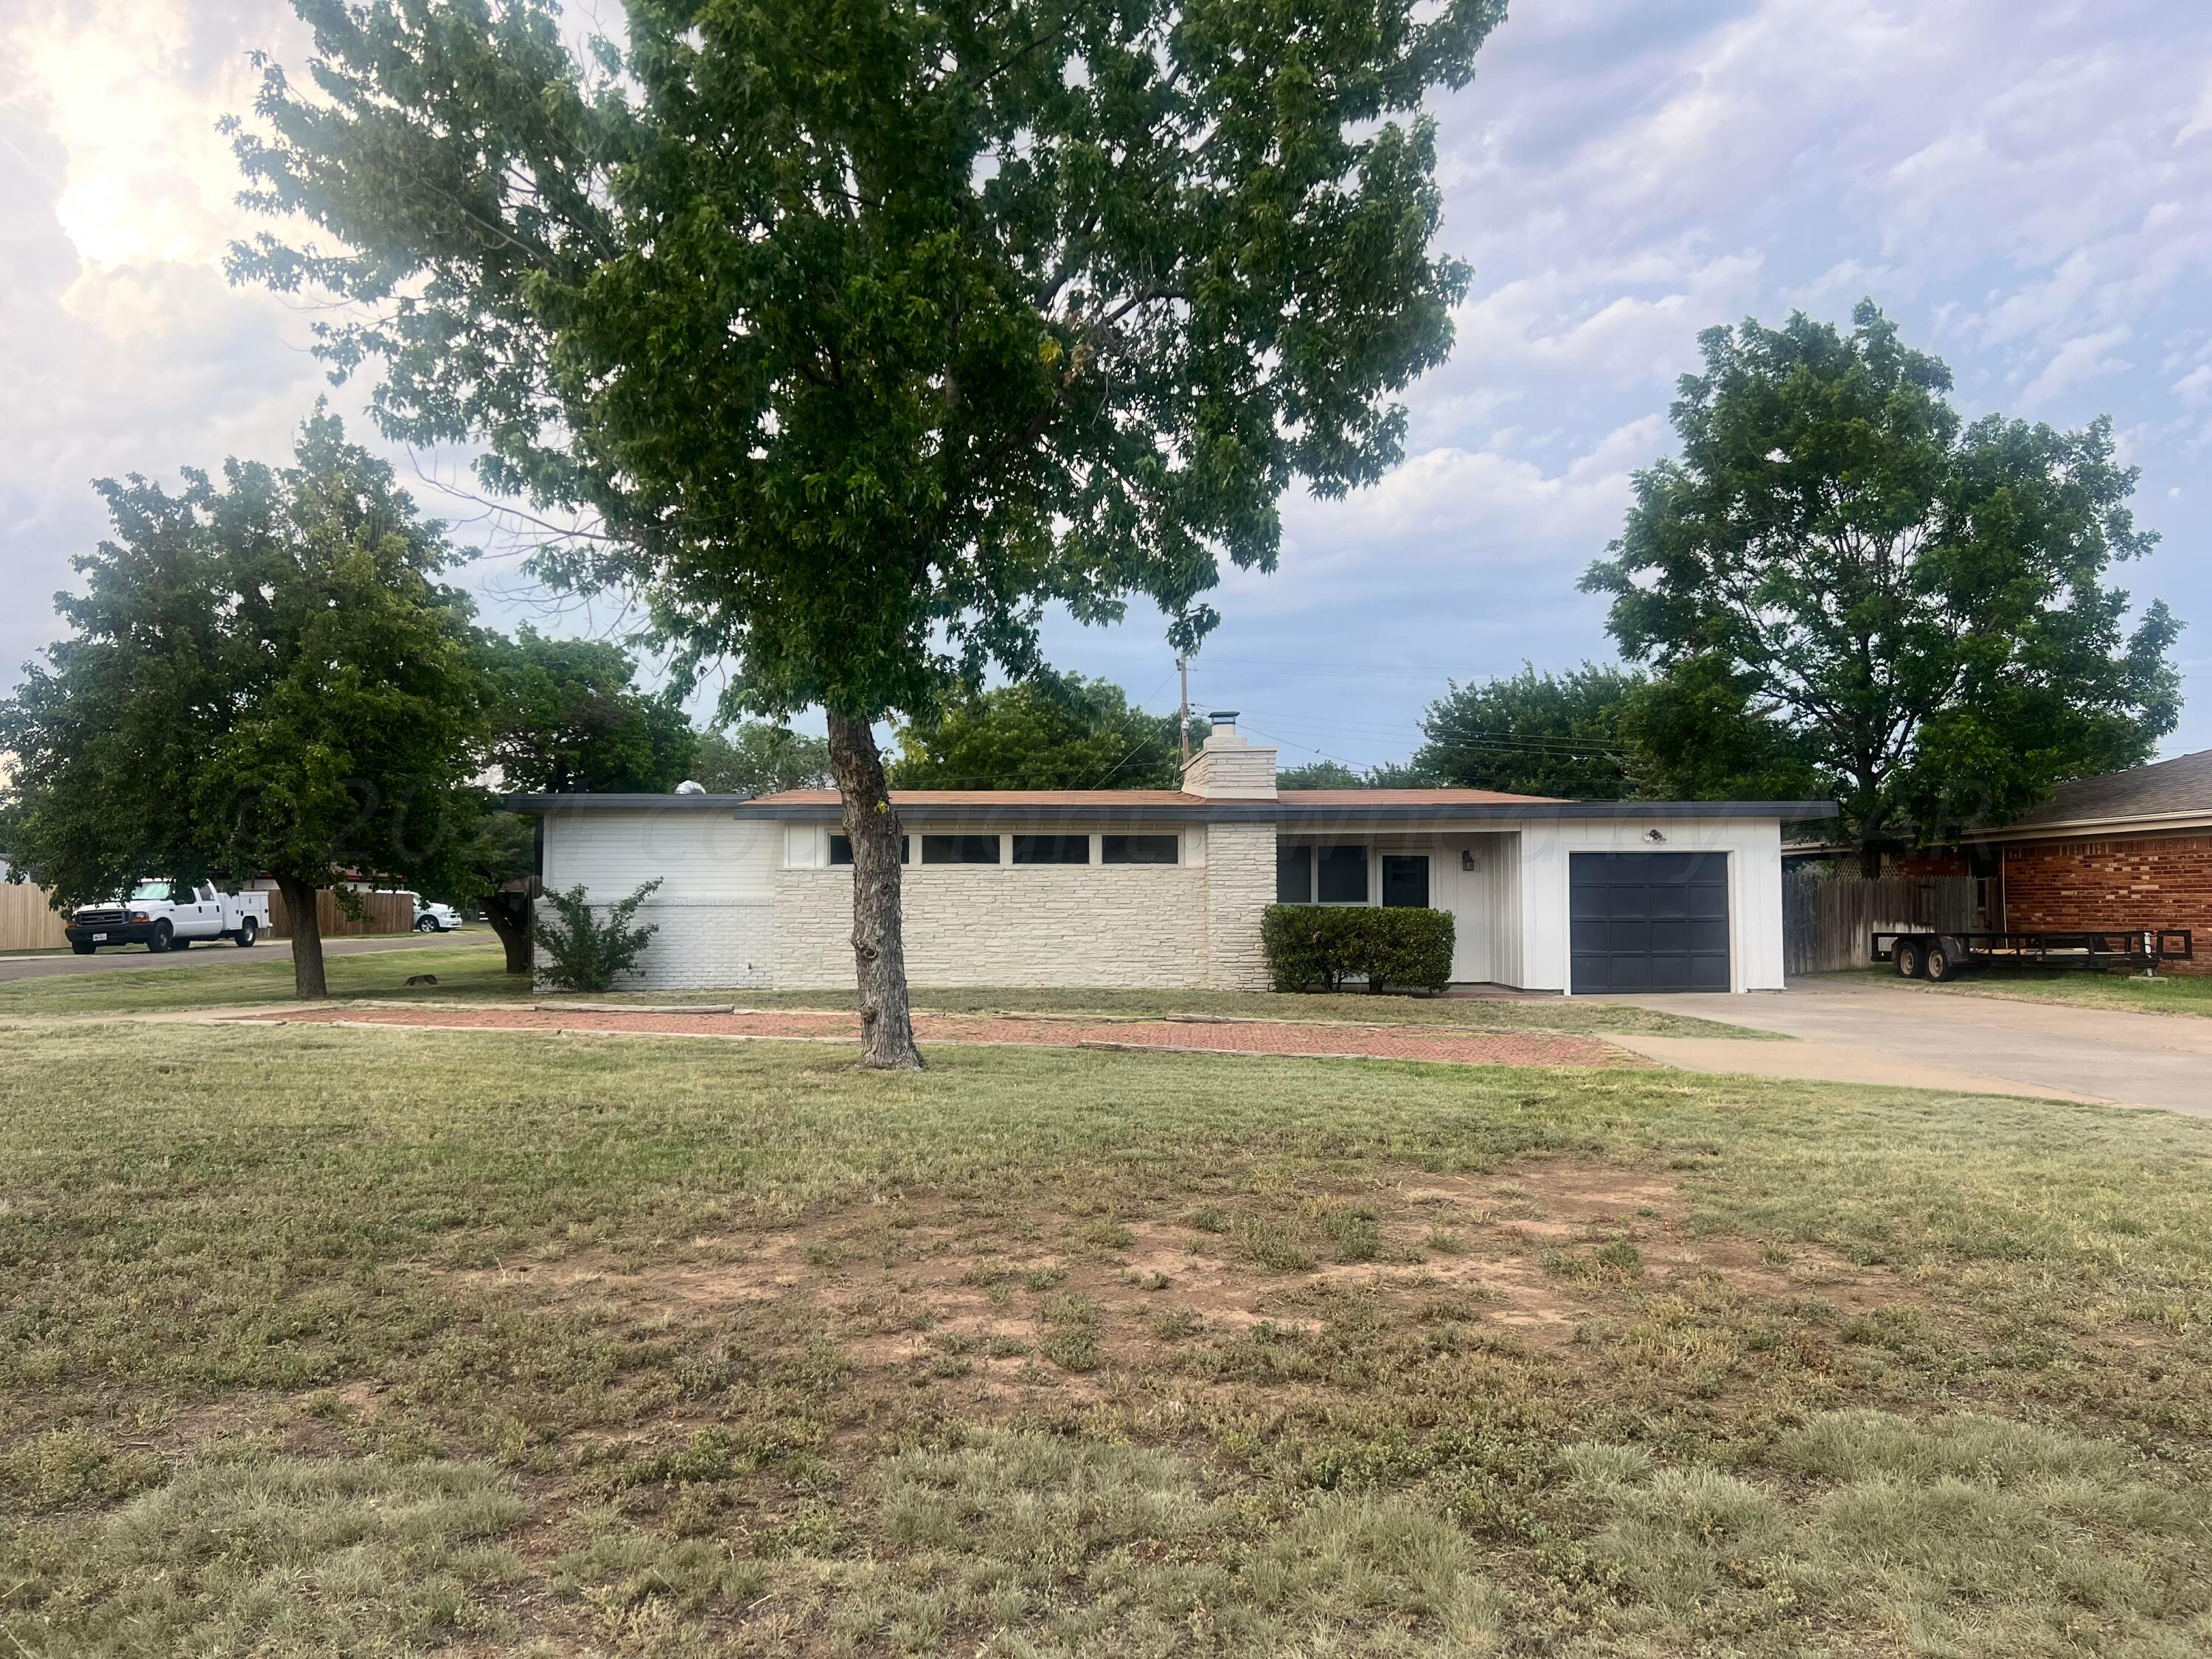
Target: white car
[(435, 918)]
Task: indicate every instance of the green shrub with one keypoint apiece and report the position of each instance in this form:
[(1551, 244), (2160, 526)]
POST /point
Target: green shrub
[(1317, 947), (1409, 950), (1308, 948), (582, 952)]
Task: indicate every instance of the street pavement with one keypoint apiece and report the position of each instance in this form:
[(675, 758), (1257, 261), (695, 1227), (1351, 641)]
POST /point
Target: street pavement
[(222, 954)]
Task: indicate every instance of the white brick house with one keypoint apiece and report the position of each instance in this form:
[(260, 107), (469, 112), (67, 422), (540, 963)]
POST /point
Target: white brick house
[(1166, 888)]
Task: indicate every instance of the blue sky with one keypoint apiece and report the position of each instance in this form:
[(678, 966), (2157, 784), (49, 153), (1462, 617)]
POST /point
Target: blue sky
[(2025, 185)]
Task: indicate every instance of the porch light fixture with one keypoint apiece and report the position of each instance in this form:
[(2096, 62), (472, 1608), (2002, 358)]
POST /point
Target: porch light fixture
[(1657, 837), (1466, 858)]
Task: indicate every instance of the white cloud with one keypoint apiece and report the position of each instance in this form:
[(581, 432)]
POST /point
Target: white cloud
[(2021, 183), (2200, 119), (2083, 358)]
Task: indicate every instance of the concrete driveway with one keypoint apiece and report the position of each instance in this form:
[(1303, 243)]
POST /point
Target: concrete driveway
[(221, 954), (1869, 1031)]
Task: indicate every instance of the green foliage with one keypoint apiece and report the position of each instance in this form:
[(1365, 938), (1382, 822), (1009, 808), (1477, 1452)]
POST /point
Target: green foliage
[(1053, 731), (587, 952), (758, 757), (864, 334), (261, 675), (1920, 606), (1319, 946), (1335, 774), (566, 715), (1692, 733), (1534, 734)]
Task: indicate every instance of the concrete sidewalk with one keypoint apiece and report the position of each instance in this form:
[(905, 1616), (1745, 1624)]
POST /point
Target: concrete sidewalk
[(1868, 1032)]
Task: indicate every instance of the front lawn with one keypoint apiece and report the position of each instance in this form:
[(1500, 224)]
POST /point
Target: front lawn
[(2169, 994), (477, 974), (475, 971), (321, 1341)]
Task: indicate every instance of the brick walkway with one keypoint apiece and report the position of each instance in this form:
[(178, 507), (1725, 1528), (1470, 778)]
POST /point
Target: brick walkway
[(1425, 1042)]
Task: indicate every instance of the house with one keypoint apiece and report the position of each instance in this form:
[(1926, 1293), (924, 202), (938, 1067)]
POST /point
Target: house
[(1166, 888), (2130, 850)]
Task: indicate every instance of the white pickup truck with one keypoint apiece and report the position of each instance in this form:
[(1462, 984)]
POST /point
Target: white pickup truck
[(164, 915)]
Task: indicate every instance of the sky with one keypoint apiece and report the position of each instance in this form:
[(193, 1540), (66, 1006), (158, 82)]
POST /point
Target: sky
[(2025, 185)]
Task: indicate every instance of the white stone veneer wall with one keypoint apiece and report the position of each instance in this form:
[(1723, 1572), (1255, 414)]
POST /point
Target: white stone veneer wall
[(1072, 925), (1240, 870)]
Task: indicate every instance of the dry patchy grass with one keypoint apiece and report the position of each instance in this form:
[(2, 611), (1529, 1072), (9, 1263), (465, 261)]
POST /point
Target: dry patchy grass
[(321, 1342)]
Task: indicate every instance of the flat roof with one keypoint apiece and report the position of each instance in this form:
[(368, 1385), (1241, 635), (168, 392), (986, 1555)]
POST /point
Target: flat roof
[(1294, 808)]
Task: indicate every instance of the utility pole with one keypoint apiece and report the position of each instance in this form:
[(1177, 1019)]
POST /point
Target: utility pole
[(1182, 667)]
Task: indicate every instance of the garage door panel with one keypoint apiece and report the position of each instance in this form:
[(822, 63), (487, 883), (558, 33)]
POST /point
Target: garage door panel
[(1649, 922)]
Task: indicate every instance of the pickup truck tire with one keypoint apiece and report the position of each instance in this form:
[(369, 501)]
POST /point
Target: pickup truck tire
[(247, 931), (158, 942), (426, 924)]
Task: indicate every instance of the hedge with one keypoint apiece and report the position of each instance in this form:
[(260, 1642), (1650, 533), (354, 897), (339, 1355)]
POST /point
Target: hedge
[(1317, 947)]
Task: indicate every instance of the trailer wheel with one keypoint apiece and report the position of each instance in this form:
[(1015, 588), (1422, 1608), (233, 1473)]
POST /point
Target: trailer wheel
[(1910, 956), (1943, 960)]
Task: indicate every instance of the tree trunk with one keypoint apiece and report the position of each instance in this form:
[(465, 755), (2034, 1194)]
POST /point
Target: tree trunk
[(307, 930), (1870, 860), (878, 940), (510, 918)]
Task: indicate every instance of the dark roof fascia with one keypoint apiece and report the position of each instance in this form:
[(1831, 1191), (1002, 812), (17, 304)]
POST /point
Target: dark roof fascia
[(1294, 816), (974, 812), (621, 802), (1789, 811), (1221, 811)]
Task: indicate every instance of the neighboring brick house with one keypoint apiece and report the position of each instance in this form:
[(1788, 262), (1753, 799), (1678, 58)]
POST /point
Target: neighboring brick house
[(2130, 850), (1167, 887)]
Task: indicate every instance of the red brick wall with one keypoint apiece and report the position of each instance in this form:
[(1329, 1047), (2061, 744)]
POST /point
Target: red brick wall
[(2163, 881)]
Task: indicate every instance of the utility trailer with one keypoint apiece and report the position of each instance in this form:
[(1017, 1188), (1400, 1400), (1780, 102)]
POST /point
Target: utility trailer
[(1946, 956)]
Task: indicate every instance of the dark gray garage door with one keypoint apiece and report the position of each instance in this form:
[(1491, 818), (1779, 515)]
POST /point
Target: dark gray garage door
[(1649, 922)]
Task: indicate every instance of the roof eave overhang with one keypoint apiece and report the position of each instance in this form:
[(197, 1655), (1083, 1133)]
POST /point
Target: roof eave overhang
[(1227, 811), (2198, 821)]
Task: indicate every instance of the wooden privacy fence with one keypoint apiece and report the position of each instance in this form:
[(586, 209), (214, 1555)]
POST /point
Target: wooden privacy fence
[(27, 922), (388, 913), (1827, 921)]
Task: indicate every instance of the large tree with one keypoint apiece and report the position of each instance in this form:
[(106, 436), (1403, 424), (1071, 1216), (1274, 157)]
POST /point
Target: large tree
[(1049, 732), (264, 675), (1533, 734), (864, 331), (567, 716), (1920, 603)]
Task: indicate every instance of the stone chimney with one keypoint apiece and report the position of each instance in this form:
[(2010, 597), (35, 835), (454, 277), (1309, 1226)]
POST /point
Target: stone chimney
[(1228, 767)]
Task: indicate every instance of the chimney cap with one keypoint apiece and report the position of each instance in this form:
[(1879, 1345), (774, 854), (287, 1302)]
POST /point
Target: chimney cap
[(1221, 713)]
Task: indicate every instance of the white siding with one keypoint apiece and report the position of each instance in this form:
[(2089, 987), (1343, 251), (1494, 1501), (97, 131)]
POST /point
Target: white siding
[(1505, 963), (1754, 850), (715, 908)]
